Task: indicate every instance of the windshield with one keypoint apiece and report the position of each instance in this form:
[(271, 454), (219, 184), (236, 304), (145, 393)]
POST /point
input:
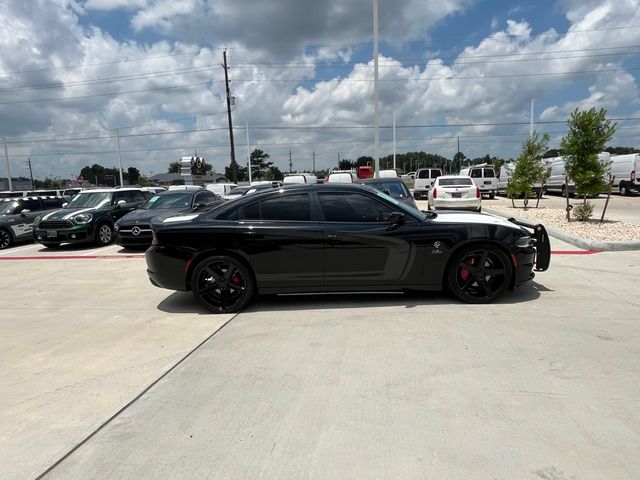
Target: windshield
[(177, 200), (454, 182), (239, 191), (90, 200), (396, 189), (8, 208), (402, 207)]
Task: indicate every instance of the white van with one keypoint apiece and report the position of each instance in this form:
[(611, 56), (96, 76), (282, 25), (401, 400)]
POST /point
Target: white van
[(424, 181), (625, 168), (506, 173), (555, 182), (300, 178), (388, 174), (484, 177), (221, 189), (342, 176)]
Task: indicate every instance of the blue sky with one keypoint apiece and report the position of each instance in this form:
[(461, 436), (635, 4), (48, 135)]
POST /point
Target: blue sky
[(72, 71)]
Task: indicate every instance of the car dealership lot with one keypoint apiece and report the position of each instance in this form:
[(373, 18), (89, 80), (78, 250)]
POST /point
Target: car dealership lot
[(542, 384)]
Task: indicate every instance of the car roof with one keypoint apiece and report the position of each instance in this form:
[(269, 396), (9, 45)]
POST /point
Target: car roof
[(382, 179)]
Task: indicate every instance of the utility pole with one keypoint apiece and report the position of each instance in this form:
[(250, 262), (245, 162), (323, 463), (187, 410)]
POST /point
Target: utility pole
[(290, 163), (246, 127), (119, 158), (394, 140), (6, 157), (376, 102), (30, 173), (314, 162), (234, 165)]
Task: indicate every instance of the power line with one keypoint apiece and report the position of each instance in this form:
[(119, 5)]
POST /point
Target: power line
[(95, 81), (110, 94)]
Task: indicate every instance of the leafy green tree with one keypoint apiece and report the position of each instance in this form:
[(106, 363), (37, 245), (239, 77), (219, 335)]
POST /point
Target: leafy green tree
[(132, 175), (589, 131), (528, 168), (259, 164), (621, 150), (346, 164), (274, 173), (362, 161), (174, 167)]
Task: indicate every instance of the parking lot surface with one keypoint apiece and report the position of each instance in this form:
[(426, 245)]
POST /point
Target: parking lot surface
[(105, 376)]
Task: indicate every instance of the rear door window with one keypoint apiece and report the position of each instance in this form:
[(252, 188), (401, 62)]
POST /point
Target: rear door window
[(338, 207), (476, 173), (489, 173)]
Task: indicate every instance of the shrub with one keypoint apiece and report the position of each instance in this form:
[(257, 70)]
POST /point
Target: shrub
[(583, 211)]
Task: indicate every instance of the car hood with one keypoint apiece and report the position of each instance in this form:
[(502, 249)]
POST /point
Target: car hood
[(473, 218), (145, 216), (67, 213)]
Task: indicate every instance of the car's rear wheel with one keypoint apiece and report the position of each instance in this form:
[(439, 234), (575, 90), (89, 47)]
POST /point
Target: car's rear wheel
[(5, 238), (479, 273), (222, 284), (104, 234)]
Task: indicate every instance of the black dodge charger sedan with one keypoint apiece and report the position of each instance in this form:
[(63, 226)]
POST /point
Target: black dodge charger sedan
[(339, 237)]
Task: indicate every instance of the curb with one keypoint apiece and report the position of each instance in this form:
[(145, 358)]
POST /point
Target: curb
[(603, 246)]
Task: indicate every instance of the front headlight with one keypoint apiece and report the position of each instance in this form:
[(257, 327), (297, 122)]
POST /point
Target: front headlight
[(83, 218), (36, 221), (116, 227), (524, 242)]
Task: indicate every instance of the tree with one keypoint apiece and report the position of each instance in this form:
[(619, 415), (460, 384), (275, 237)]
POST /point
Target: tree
[(458, 160), (174, 167), (274, 173), (362, 161), (346, 164), (589, 131), (259, 164), (243, 173), (132, 175), (529, 168)]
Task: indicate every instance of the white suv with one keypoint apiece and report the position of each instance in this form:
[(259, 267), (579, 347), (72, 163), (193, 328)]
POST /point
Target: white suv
[(484, 177)]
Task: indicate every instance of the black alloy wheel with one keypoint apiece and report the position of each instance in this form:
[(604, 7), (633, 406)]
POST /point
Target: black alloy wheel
[(479, 273), (222, 284), (5, 238), (104, 234)]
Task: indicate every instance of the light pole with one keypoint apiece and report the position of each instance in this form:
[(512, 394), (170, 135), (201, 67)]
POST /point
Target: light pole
[(533, 100)]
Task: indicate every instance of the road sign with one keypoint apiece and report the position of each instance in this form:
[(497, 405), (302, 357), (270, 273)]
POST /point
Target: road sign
[(80, 180)]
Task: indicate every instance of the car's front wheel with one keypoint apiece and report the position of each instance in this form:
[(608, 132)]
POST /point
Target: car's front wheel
[(479, 273), (5, 238), (104, 234), (222, 284)]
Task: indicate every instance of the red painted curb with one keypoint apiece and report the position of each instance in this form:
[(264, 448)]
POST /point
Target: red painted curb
[(71, 257), (574, 252)]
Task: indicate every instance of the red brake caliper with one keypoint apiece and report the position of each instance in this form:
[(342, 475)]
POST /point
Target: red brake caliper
[(235, 279), (464, 273)]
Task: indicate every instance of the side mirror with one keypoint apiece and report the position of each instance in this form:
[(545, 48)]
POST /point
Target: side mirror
[(64, 205), (25, 211), (198, 206), (387, 191), (396, 218), (121, 203)]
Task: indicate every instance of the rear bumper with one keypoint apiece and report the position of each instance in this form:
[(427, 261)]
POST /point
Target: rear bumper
[(462, 203)]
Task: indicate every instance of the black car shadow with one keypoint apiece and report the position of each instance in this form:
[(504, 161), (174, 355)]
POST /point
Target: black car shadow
[(184, 302)]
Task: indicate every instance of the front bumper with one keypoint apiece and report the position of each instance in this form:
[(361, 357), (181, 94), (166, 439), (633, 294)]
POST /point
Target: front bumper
[(542, 246), (74, 234)]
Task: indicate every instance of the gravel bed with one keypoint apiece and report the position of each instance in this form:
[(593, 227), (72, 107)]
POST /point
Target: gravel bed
[(610, 230)]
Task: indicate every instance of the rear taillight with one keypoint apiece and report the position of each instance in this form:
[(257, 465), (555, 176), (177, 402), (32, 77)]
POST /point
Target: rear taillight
[(435, 193), (477, 192)]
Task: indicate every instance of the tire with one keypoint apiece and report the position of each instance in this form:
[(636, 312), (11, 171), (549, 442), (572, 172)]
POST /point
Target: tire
[(479, 273), (222, 284), (624, 189), (5, 238), (479, 210), (104, 234), (492, 196)]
